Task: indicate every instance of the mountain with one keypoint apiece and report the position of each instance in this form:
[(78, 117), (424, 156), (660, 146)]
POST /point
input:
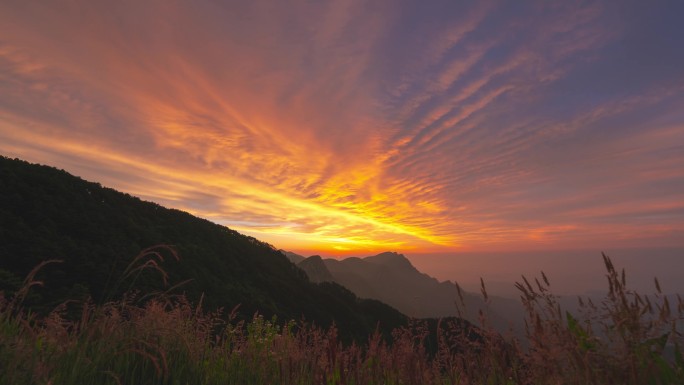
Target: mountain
[(391, 278), (46, 213), (393, 260), (293, 257), (315, 269)]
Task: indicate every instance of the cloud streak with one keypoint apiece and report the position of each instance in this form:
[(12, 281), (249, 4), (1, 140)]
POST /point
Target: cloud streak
[(358, 126)]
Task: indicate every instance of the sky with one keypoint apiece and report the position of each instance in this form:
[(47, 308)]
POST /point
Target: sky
[(356, 127)]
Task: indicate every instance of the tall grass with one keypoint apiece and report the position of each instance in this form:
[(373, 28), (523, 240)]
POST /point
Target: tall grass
[(626, 339)]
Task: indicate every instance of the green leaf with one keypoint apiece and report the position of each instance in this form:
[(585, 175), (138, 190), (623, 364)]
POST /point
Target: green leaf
[(580, 333)]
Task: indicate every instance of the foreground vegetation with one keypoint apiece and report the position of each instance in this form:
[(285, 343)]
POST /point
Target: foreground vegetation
[(164, 339)]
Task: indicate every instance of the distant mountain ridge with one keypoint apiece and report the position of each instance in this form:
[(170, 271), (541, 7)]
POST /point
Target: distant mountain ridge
[(293, 257), (391, 278), (315, 269), (391, 259)]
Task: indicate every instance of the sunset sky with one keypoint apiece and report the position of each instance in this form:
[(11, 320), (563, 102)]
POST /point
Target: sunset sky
[(355, 127)]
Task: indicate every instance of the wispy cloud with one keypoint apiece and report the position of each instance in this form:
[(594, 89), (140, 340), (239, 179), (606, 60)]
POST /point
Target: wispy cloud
[(347, 126)]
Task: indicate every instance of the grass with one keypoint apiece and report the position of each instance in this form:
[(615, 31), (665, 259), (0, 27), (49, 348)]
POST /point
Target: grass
[(163, 339)]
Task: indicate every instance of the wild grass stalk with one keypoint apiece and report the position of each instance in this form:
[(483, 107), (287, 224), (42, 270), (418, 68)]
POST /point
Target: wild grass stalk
[(164, 339)]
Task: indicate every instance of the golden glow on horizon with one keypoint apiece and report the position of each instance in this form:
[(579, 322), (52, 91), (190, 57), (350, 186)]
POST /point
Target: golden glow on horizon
[(343, 227)]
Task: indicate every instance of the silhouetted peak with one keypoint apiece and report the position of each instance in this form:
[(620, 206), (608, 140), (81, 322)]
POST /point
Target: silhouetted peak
[(315, 269), (390, 259)]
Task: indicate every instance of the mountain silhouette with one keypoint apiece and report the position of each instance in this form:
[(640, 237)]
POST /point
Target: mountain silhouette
[(315, 269), (46, 213), (391, 278)]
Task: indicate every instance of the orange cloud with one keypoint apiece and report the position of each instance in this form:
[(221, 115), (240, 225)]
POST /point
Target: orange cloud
[(342, 127)]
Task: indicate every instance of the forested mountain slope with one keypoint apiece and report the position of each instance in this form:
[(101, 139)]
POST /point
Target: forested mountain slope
[(46, 213)]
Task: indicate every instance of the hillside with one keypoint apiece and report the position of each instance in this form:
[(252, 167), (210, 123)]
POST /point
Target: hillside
[(46, 213)]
